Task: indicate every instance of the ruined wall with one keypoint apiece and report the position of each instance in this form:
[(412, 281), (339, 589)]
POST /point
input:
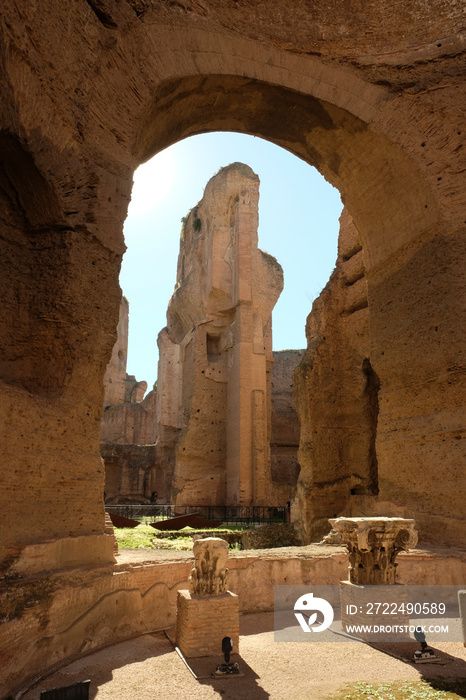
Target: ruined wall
[(131, 474), (339, 397), (131, 423), (216, 352), (115, 374), (133, 471), (336, 394), (285, 428), (119, 386), (374, 100), (129, 428)]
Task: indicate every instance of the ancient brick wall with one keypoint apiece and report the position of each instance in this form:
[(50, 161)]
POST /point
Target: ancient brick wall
[(336, 394), (374, 100), (129, 428), (216, 352), (285, 427)]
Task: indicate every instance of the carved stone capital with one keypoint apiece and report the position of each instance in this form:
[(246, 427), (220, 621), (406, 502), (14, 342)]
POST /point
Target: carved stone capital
[(373, 544), (209, 574)]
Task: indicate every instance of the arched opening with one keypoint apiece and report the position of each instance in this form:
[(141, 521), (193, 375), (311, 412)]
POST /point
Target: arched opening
[(389, 202), (298, 224), (381, 189), (385, 212), (379, 118)]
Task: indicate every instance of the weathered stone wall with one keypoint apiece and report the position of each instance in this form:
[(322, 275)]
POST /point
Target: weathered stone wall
[(129, 428), (285, 428), (115, 374), (339, 396), (131, 473), (336, 394), (131, 423), (130, 420), (216, 352), (128, 417), (373, 100)]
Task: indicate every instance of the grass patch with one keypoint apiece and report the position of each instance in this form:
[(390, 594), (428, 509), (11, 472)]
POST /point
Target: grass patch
[(432, 689), (145, 537), (181, 544), (139, 537)]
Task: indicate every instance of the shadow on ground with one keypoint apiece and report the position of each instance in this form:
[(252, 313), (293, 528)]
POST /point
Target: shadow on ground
[(100, 666), (148, 668)]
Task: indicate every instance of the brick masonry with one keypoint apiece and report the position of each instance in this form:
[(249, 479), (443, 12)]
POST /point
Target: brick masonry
[(202, 622)]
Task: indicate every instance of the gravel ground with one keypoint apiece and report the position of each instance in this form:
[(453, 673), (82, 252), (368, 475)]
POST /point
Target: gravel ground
[(149, 668), (130, 556)]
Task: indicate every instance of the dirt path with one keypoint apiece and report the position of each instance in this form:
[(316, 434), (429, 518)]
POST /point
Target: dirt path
[(129, 556), (148, 668)]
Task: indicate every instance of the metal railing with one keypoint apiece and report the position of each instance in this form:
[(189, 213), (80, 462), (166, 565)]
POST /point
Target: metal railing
[(233, 515)]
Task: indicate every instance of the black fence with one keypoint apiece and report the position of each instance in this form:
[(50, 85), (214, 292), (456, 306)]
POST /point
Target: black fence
[(232, 515)]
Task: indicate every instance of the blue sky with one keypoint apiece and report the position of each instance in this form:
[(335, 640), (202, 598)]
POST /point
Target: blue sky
[(298, 224)]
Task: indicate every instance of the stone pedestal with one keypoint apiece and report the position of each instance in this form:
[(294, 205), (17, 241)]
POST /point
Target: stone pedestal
[(202, 622), (355, 603), (209, 611)]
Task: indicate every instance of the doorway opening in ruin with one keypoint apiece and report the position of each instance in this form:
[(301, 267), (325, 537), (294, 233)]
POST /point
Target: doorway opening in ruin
[(298, 224)]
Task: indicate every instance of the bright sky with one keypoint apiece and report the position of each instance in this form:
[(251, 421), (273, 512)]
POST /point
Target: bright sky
[(298, 224)]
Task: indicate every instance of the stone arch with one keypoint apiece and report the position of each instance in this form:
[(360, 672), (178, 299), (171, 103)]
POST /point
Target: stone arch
[(381, 115), (382, 189), (393, 204)]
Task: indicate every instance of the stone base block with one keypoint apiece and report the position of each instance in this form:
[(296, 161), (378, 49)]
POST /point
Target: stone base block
[(355, 607), (203, 621)]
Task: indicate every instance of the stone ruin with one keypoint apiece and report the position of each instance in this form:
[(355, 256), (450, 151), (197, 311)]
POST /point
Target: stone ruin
[(373, 545), (214, 386), (220, 427), (375, 101), (129, 428), (207, 612), (285, 427), (209, 574)]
